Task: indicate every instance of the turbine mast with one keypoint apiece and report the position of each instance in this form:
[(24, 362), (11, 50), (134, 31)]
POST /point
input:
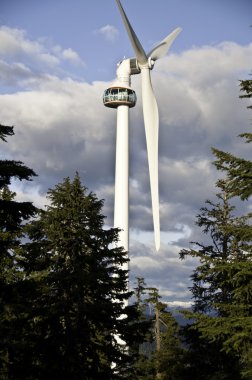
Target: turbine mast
[(121, 96)]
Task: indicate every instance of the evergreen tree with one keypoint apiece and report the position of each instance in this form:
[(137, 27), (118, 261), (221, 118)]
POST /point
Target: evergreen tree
[(239, 325), (168, 355), (238, 170), (142, 349), (222, 283), (165, 359), (212, 288), (222, 289), (204, 358), (80, 291), (13, 215)]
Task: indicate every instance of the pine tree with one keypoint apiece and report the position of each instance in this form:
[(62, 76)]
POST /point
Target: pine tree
[(213, 288), (142, 348), (238, 170), (165, 361), (13, 215), (239, 325), (225, 246), (80, 290), (222, 283), (168, 356)]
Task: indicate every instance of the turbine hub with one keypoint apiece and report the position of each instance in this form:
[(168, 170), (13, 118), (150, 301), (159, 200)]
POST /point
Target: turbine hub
[(148, 64), (151, 63)]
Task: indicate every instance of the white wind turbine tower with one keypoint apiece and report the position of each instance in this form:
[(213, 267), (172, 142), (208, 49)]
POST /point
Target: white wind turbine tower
[(121, 96)]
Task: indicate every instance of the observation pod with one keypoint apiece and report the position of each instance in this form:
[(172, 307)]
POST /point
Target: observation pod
[(119, 96)]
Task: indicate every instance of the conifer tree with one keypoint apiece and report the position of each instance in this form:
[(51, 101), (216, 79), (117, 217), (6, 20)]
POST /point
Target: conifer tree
[(212, 284), (168, 355), (237, 169), (222, 282), (165, 360), (142, 349), (225, 245), (13, 215), (80, 290)]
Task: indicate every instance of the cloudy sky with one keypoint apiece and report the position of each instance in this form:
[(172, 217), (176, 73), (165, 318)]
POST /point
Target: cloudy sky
[(56, 59)]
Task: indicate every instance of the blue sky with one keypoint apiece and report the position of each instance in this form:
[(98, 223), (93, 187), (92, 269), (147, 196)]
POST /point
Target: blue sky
[(78, 24), (57, 58)]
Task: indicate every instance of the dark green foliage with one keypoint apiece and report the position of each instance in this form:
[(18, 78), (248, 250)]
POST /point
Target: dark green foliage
[(14, 169), (246, 88), (162, 354), (222, 285), (170, 357), (228, 235), (239, 172), (205, 360), (222, 282), (5, 131), (13, 215), (10, 169), (63, 286), (141, 348), (143, 366), (79, 291), (221, 310)]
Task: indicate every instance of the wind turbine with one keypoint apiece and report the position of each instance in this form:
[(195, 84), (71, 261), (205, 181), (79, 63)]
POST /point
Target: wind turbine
[(121, 96)]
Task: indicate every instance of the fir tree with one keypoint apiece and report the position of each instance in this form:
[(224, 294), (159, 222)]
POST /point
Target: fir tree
[(13, 215), (142, 348), (80, 290), (222, 283), (238, 170), (225, 246), (213, 289), (168, 355), (165, 359)]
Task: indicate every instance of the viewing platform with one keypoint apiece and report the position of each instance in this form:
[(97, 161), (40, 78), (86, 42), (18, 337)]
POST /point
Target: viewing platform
[(118, 96)]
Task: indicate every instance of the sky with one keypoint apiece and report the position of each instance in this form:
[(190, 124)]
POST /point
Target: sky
[(56, 59)]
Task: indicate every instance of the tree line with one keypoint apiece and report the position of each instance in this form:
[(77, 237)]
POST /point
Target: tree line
[(65, 306)]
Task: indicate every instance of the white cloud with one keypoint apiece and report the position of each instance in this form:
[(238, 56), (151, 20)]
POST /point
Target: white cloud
[(26, 194), (38, 57), (109, 32), (13, 42), (180, 304), (13, 73), (71, 56), (208, 65), (15, 45)]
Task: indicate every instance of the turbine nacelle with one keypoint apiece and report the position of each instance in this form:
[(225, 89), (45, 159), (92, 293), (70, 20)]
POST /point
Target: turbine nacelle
[(127, 67), (131, 66)]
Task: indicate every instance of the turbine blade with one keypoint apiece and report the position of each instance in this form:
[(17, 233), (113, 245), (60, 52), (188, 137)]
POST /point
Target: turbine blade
[(151, 122), (162, 48), (138, 49)]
